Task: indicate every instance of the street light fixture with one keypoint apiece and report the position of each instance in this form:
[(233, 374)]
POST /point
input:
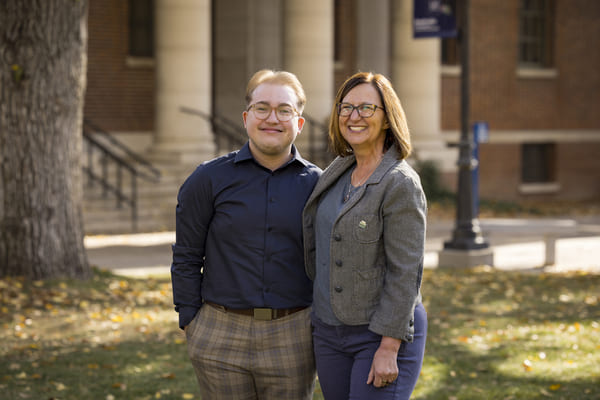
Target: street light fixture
[(467, 232)]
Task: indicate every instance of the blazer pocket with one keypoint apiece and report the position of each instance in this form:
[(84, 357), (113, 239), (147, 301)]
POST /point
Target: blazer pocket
[(368, 284), (366, 228)]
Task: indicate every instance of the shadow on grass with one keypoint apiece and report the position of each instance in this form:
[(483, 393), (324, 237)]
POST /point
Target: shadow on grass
[(510, 335), (469, 376), (144, 369), (492, 335)]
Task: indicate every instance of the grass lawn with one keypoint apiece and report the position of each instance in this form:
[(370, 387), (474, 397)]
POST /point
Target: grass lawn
[(492, 335)]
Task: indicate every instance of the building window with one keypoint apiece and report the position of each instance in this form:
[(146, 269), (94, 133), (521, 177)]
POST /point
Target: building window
[(450, 47), (141, 28), (538, 163), (536, 33)]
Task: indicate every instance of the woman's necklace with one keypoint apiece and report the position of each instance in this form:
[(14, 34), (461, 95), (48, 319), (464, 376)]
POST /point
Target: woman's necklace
[(352, 188)]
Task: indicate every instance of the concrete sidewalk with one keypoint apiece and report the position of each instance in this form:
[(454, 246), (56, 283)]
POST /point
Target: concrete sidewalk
[(148, 254)]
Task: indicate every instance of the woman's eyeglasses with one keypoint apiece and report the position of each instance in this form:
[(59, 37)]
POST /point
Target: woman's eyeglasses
[(364, 110)]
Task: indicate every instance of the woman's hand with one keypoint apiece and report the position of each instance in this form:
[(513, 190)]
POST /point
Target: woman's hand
[(384, 368)]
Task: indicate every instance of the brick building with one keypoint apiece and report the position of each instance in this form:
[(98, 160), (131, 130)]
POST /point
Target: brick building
[(535, 78)]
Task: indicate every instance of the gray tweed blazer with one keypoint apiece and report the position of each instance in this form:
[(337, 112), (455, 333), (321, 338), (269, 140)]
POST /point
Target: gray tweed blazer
[(377, 246)]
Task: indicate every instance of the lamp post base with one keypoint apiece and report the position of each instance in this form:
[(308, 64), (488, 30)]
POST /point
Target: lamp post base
[(454, 258)]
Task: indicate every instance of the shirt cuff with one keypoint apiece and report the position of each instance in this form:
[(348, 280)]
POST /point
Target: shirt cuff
[(186, 315)]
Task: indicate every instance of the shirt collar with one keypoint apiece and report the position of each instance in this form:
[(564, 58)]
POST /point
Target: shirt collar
[(244, 155)]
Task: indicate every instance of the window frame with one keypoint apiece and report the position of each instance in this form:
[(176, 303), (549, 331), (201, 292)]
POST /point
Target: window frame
[(141, 25), (536, 34), (538, 163), (450, 47)]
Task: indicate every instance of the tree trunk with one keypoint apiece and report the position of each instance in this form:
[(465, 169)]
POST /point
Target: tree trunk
[(43, 56)]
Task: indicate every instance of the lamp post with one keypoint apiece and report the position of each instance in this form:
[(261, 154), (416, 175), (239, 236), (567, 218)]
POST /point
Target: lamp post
[(467, 232)]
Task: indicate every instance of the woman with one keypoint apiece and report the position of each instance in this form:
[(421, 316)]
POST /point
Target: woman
[(364, 234)]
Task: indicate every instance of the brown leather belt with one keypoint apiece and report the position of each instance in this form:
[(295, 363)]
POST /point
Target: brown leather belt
[(261, 314)]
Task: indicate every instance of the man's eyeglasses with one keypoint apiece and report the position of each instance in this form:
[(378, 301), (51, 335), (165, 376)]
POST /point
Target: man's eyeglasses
[(263, 110), (364, 110)]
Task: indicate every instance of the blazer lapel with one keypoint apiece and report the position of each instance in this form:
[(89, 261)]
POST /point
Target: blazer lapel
[(331, 174)]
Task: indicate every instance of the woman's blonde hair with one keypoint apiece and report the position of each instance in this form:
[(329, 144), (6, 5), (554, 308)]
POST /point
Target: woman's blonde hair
[(396, 134), (283, 78)]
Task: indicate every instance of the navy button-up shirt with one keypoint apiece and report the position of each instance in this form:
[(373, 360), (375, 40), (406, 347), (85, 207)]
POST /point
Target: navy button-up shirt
[(239, 235)]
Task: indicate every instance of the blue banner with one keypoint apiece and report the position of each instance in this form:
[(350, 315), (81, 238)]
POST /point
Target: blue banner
[(434, 18)]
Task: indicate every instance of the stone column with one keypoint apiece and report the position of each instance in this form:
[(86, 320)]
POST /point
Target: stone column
[(373, 36), (417, 79), (183, 78), (308, 53)]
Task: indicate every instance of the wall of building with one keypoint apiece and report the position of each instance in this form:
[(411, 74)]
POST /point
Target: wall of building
[(563, 103), (120, 89), (568, 100)]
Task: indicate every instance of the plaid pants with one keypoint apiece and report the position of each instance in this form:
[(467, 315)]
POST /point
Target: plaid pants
[(237, 357)]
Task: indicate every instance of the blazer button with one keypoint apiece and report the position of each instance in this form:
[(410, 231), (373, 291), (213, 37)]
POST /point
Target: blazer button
[(338, 289), (409, 337), (337, 237), (338, 263), (411, 322)]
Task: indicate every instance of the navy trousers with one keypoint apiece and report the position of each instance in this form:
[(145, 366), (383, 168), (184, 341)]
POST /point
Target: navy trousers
[(344, 355)]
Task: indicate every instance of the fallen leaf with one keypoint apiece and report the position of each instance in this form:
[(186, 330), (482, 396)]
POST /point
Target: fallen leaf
[(116, 318), (119, 385)]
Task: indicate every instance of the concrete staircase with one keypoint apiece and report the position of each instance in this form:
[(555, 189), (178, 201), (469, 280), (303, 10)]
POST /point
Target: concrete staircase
[(156, 205)]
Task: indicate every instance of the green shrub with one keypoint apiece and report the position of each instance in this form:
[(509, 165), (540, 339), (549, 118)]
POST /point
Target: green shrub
[(430, 179)]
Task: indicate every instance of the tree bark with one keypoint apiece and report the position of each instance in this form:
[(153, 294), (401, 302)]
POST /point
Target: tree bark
[(43, 60)]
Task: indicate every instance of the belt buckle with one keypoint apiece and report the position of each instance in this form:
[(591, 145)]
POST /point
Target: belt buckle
[(263, 314)]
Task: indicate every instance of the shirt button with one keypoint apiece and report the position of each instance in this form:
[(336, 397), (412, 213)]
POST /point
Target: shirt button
[(337, 237), (338, 289), (338, 263)]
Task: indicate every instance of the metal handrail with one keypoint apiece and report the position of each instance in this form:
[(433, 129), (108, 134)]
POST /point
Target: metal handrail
[(153, 172), (234, 136), (135, 165), (318, 150), (227, 135)]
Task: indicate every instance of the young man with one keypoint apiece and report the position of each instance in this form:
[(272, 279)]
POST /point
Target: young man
[(238, 276)]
